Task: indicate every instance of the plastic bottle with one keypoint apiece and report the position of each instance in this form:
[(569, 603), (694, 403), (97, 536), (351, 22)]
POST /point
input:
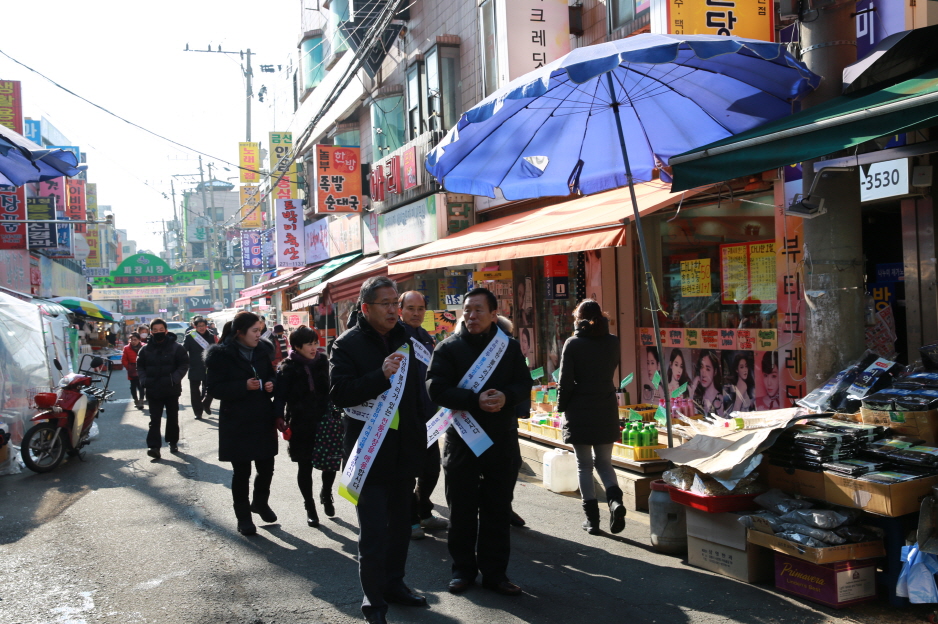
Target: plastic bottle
[(652, 435), (634, 437), (625, 433), (560, 471)]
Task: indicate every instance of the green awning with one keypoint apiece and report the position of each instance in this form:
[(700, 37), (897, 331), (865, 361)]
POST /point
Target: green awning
[(821, 130), (322, 272)]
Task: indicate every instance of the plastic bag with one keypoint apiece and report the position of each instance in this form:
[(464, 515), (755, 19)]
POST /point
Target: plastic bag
[(857, 534), (768, 516), (819, 534), (798, 538), (94, 432), (779, 502), (917, 578), (819, 518)]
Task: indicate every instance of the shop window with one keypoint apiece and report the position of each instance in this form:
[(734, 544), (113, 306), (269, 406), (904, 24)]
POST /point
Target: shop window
[(414, 101), (311, 61), (338, 15), (349, 138), (387, 122), (623, 13), (489, 47), (442, 89)]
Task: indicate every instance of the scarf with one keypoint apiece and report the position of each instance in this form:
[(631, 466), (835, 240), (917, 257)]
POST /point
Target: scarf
[(307, 366)]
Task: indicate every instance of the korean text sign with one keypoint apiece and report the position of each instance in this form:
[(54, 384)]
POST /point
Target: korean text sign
[(291, 248), (752, 19), (540, 33), (252, 251), (338, 179), (75, 204), (250, 206), (11, 105), (41, 235), (12, 206), (249, 158)]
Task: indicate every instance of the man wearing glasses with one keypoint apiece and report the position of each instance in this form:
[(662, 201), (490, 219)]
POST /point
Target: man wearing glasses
[(382, 467)]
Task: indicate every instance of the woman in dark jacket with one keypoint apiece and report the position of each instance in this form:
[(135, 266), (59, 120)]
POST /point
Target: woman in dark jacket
[(241, 376), (301, 398), (587, 397)]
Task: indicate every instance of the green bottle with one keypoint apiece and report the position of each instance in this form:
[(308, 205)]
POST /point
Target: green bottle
[(635, 437), (652, 435), (625, 433)]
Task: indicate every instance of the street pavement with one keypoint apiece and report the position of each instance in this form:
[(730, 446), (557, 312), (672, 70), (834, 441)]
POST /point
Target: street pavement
[(120, 538)]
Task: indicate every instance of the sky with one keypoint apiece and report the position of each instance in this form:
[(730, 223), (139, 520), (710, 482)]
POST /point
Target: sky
[(129, 58)]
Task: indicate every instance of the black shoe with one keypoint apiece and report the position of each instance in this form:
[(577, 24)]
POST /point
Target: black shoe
[(328, 508), (312, 518), (138, 405), (247, 528), (403, 596), (616, 509), (207, 409), (459, 585), (265, 512), (591, 524), (376, 618), (505, 588), (198, 416), (517, 520), (154, 453), (173, 448)]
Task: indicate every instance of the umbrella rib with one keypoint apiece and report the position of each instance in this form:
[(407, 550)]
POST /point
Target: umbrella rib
[(641, 125)]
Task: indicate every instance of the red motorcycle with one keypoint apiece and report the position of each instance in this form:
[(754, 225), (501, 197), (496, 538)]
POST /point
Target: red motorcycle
[(64, 424)]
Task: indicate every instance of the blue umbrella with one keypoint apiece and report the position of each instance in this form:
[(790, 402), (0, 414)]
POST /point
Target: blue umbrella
[(556, 130), (23, 161)]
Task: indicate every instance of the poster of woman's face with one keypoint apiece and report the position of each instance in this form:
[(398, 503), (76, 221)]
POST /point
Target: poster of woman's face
[(524, 299), (739, 381), (650, 366), (768, 387), (594, 277), (708, 382), (678, 371), (528, 350)]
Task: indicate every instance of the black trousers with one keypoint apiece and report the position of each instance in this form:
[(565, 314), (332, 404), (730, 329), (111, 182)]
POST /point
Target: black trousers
[(156, 415), (199, 396), (241, 481), (383, 538), (479, 492), (426, 482), (136, 389)]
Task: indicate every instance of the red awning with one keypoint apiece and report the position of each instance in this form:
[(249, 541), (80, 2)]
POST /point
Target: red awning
[(348, 283)]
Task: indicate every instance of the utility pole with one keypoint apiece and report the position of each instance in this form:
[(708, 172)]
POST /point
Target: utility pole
[(180, 245), (208, 243), (248, 78), (211, 190)]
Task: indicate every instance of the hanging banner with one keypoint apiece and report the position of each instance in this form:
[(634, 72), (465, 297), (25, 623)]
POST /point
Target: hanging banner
[(788, 367), (252, 251), (281, 149), (748, 271), (156, 292), (250, 162), (54, 188), (316, 238), (540, 34), (251, 216), (13, 206), (93, 236), (557, 274), (751, 19), (268, 249), (285, 184), (338, 179), (75, 204), (291, 249), (11, 105), (345, 235), (292, 320), (41, 235), (91, 200)]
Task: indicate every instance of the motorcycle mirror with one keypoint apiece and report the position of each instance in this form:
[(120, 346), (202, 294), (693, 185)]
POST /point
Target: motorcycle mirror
[(57, 364)]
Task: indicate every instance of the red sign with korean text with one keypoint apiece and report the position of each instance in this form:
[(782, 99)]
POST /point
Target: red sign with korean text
[(75, 204), (12, 206), (411, 170), (291, 247), (338, 179), (11, 105)]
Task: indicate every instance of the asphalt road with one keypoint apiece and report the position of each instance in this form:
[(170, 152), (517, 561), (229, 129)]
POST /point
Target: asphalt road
[(119, 538)]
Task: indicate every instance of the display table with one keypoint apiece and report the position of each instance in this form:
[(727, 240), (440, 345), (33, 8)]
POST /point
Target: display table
[(644, 467)]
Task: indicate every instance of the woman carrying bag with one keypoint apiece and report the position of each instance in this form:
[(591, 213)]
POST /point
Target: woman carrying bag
[(301, 400), (587, 397), (241, 377)]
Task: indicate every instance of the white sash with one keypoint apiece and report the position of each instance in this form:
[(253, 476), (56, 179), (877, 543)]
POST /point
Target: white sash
[(199, 340), (479, 373), (421, 352), (382, 416), (267, 334)]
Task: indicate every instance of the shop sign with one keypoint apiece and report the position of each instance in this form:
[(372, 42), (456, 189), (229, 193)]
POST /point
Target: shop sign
[(490, 276), (11, 105), (398, 179), (557, 274), (12, 206), (94, 247), (281, 149), (876, 20), (890, 272), (408, 226), (752, 19), (75, 203), (54, 188), (338, 179), (203, 304), (458, 212), (249, 158), (695, 278), (32, 130), (285, 183), (316, 239), (748, 271), (790, 358), (292, 320), (345, 235), (91, 200), (411, 169), (250, 207), (291, 249), (113, 294), (99, 272), (252, 256), (41, 235), (268, 249), (369, 233), (540, 34), (65, 247), (884, 179)]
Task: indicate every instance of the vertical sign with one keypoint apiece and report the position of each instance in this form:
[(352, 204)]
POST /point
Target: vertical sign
[(252, 251), (54, 188), (752, 19), (338, 179), (41, 235), (540, 33), (557, 273), (411, 176), (250, 162), (12, 207), (790, 360), (251, 206), (93, 237), (75, 204), (695, 278), (91, 200), (11, 105), (291, 248), (283, 171), (268, 249), (316, 238), (32, 130)]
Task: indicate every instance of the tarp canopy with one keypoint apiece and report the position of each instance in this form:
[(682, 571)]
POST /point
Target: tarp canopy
[(333, 264), (835, 125)]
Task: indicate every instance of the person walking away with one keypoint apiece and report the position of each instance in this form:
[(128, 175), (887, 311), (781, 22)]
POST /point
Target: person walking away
[(413, 306), (279, 340), (129, 362), (587, 397), (301, 399), (241, 377), (372, 360), (161, 365), (479, 488), (197, 341)]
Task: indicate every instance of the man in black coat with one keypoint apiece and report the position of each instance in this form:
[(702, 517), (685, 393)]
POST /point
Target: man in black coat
[(479, 489), (196, 342), (361, 363), (161, 365)]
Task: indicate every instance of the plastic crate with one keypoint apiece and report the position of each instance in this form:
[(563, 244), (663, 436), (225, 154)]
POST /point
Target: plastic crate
[(641, 453), (524, 424), (537, 429), (647, 412), (713, 504), (554, 433)]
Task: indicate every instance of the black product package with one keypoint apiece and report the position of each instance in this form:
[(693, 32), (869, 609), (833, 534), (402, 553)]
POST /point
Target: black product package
[(918, 380), (877, 375), (852, 467), (885, 400), (887, 477), (920, 400), (917, 456), (860, 431)]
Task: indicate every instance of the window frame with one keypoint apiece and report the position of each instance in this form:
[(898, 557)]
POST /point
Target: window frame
[(437, 103), (414, 117), (488, 5)]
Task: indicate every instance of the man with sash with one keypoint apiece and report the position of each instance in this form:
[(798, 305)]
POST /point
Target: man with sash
[(374, 379), (196, 342), (480, 375)]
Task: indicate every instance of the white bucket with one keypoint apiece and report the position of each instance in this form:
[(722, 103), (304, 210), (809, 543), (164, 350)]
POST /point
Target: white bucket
[(560, 471)]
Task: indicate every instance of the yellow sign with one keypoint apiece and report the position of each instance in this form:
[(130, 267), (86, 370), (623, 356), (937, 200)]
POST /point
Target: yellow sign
[(281, 148), (695, 278), (250, 207), (249, 158), (487, 276), (752, 19), (92, 236)]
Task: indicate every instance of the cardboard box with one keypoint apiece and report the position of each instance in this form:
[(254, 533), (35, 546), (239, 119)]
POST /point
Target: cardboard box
[(878, 498), (835, 584), (922, 425), (831, 554), (793, 481), (717, 542)]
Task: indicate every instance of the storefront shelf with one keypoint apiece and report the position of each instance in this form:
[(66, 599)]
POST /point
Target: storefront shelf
[(644, 467)]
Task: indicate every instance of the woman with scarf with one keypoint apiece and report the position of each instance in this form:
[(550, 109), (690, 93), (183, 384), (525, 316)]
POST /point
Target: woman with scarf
[(301, 400)]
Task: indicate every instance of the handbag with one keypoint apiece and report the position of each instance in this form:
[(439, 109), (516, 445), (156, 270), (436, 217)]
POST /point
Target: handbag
[(327, 445)]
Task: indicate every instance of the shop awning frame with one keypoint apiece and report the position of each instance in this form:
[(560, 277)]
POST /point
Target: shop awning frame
[(333, 264)]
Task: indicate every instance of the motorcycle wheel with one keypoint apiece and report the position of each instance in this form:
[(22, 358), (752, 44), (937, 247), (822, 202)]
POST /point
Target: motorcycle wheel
[(43, 448)]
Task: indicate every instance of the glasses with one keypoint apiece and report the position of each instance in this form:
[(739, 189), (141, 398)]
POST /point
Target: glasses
[(388, 305)]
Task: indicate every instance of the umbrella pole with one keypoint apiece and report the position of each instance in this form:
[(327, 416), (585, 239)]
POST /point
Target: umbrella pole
[(649, 279)]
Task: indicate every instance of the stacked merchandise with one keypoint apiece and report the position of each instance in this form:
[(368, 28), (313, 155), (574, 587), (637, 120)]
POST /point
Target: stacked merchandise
[(895, 460), (822, 441), (846, 391), (916, 392)]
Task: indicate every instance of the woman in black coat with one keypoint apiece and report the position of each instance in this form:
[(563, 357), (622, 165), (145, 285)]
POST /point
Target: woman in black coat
[(301, 398), (241, 377), (587, 397)]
